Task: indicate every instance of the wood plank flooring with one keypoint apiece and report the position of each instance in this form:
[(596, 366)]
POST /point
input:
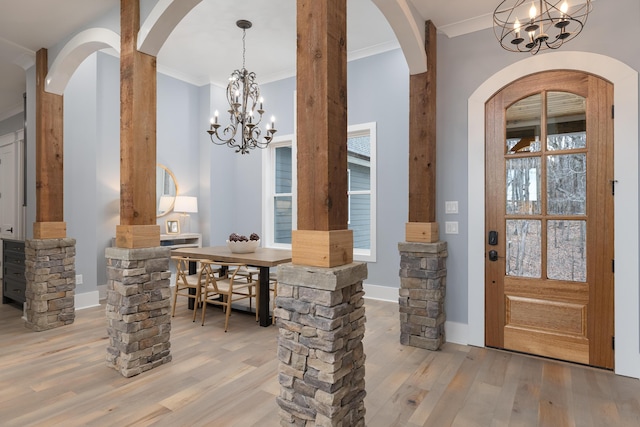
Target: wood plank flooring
[(59, 377)]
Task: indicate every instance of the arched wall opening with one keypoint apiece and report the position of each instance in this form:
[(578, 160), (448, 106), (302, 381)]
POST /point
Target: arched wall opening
[(627, 296)]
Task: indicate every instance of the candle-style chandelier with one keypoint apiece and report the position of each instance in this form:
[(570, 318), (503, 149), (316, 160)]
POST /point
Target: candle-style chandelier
[(243, 94), (534, 25)]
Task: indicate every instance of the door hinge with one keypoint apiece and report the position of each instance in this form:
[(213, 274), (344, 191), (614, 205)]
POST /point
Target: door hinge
[(613, 343), (613, 186), (613, 265), (613, 111)]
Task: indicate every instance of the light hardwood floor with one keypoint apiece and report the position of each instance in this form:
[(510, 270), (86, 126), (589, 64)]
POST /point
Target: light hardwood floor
[(59, 377)]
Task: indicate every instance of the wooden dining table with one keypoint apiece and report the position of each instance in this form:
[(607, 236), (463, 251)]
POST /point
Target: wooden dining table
[(262, 258)]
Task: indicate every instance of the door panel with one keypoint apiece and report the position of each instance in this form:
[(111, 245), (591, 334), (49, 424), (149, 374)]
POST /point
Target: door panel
[(549, 162)]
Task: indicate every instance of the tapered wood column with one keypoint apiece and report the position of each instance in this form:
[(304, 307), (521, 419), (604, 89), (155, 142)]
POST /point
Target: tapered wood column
[(322, 238), (49, 158), (137, 227), (422, 225)]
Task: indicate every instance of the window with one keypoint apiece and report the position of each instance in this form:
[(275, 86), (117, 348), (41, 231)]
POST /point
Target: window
[(279, 185)]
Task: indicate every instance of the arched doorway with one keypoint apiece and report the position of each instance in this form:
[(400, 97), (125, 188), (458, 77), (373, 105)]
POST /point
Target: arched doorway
[(625, 80)]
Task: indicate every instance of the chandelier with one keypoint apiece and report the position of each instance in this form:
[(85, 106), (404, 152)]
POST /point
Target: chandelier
[(534, 25), (243, 95)]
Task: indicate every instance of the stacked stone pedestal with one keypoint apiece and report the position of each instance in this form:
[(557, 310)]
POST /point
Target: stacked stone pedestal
[(320, 313), (423, 278), (138, 309), (50, 273)]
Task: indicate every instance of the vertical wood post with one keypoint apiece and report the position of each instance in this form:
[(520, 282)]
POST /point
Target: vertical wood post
[(49, 158), (322, 238), (422, 225), (137, 227)]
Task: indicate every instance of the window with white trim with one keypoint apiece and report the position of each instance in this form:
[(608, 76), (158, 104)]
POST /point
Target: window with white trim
[(279, 191)]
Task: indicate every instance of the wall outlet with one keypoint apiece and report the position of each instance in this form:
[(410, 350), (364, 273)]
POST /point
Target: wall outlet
[(78, 279), (451, 227)]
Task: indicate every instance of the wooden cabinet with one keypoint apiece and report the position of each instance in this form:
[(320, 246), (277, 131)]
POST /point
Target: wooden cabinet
[(14, 282)]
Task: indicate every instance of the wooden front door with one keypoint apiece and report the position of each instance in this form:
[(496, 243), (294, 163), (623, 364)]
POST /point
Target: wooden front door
[(549, 218)]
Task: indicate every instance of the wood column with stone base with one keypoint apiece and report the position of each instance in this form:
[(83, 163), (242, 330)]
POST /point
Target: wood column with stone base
[(321, 316), (423, 279), (51, 283), (138, 309)]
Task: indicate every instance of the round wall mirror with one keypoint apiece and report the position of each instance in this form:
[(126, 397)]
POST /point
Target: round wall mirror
[(166, 190)]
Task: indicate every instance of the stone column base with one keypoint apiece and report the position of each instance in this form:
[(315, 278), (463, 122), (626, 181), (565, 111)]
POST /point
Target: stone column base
[(320, 313), (138, 309), (50, 271), (423, 278)]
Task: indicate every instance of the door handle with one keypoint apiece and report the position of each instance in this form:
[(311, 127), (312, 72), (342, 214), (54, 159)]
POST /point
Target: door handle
[(10, 230), (493, 255)]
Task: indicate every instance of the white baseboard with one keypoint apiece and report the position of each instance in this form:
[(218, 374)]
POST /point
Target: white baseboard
[(383, 293), (87, 299), (456, 332)]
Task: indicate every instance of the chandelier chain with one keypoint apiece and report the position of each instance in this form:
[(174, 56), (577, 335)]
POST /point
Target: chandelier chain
[(244, 35)]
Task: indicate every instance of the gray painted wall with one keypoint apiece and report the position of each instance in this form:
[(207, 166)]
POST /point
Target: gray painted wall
[(12, 124)]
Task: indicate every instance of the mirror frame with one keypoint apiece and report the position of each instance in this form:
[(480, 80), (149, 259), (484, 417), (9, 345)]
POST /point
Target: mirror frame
[(175, 183)]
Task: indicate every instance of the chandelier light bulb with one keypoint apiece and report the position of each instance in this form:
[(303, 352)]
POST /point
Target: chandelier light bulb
[(516, 28), (533, 11), (564, 9)]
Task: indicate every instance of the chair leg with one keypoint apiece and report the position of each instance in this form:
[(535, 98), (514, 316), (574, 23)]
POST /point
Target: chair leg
[(228, 313), (175, 299), (204, 306), (196, 302)]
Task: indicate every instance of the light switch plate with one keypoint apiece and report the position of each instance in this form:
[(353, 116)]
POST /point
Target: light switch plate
[(451, 227), (451, 207)]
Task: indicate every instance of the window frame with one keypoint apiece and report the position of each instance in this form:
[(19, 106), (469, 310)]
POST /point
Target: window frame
[(268, 189)]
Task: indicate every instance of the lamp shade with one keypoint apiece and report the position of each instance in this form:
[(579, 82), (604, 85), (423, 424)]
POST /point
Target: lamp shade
[(186, 204), (164, 204)]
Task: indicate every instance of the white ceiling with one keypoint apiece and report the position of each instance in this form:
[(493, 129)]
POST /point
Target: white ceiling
[(206, 46)]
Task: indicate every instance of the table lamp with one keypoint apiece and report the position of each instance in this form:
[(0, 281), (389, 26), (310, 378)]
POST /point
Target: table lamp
[(185, 205)]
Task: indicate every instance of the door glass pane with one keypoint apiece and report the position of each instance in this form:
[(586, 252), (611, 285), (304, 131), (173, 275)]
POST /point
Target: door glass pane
[(523, 124), (567, 184), (567, 250), (566, 121), (523, 186), (523, 248)]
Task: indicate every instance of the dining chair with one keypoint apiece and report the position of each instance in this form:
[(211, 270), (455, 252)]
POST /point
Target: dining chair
[(187, 285), (223, 291)]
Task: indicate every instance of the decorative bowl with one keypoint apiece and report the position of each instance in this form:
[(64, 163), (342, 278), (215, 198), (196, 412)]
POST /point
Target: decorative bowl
[(243, 247)]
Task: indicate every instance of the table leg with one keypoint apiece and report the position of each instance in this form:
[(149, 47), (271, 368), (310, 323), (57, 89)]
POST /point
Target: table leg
[(193, 269), (265, 319)]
